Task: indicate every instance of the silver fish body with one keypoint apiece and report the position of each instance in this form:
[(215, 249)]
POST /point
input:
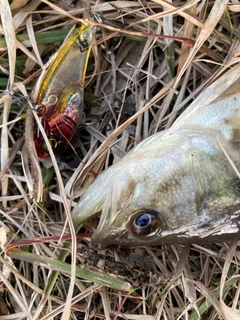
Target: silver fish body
[(174, 187)]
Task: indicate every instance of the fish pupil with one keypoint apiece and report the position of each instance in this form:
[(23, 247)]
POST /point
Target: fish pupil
[(142, 220)]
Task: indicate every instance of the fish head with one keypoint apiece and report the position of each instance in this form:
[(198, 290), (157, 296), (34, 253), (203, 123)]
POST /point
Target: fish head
[(165, 192), (117, 203)]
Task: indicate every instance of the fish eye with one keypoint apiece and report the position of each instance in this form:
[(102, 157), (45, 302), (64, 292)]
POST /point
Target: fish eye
[(53, 143), (144, 222)]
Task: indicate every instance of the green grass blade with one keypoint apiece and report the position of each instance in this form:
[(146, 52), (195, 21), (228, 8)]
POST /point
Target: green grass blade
[(60, 266)]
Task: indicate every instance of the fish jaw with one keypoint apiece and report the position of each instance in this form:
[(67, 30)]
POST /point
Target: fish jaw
[(184, 180)]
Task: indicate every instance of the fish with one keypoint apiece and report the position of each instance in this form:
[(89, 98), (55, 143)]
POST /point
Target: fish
[(59, 92), (178, 186)]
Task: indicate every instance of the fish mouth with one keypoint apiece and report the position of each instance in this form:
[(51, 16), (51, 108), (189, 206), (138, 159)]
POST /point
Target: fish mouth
[(103, 233)]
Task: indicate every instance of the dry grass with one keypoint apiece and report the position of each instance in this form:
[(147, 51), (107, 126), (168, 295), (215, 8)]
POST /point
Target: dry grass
[(131, 93)]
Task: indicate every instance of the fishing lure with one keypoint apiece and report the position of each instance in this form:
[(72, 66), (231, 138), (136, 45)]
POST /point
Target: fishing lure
[(177, 186), (59, 92)]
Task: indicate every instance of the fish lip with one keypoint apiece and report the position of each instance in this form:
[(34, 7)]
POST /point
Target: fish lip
[(113, 237), (103, 237)]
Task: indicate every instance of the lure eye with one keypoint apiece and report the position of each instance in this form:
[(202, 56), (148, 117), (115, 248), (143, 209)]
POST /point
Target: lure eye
[(52, 99), (144, 223), (53, 143)]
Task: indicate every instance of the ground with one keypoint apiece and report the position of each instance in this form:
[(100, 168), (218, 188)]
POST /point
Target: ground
[(131, 92)]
